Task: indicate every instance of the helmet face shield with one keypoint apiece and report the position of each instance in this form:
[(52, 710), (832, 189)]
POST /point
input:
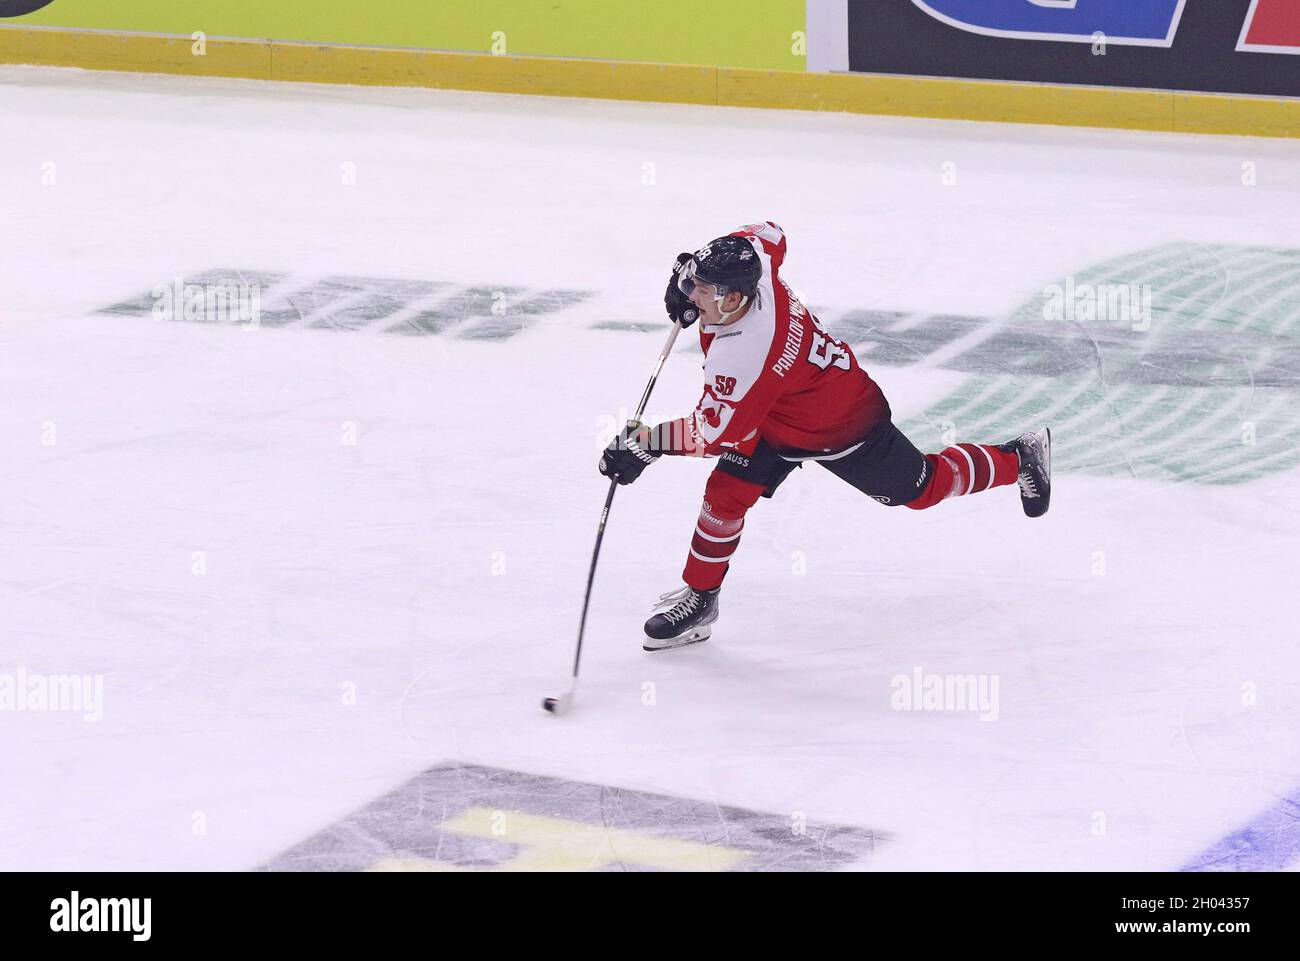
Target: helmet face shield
[(686, 278), (687, 282)]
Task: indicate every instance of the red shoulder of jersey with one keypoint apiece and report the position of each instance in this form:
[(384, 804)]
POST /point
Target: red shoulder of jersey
[(772, 238)]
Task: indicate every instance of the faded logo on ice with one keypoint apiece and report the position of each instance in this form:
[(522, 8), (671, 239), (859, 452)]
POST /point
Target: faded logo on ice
[(347, 303), (1180, 363), (471, 818)]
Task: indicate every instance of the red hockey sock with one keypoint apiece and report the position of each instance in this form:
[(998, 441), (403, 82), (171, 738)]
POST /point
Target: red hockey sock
[(718, 530), (966, 469)]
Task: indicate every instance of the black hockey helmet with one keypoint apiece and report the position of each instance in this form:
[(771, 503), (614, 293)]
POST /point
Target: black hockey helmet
[(728, 263)]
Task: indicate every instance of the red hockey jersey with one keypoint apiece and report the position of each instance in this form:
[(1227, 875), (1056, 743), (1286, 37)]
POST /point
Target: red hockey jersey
[(777, 374)]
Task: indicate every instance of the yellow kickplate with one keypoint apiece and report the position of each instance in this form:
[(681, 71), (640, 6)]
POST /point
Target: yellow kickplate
[(669, 83)]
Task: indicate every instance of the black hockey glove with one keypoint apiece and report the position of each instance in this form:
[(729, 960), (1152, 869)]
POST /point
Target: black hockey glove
[(678, 305), (628, 454)]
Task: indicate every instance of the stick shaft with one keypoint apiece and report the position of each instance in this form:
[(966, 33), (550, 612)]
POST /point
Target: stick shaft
[(609, 500)]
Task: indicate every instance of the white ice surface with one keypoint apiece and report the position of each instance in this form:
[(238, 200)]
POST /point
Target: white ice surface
[(372, 565)]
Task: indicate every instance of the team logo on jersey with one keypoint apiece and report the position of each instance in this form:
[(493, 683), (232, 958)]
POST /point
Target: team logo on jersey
[(17, 8), (769, 232)]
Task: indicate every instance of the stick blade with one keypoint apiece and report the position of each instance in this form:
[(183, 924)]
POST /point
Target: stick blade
[(558, 705)]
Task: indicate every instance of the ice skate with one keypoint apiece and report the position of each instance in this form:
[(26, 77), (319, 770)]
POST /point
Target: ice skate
[(1035, 479), (682, 617)]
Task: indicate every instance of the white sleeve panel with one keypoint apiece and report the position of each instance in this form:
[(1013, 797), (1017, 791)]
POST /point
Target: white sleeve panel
[(738, 353)]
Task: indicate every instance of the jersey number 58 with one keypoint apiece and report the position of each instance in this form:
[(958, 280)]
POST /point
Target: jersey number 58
[(826, 350)]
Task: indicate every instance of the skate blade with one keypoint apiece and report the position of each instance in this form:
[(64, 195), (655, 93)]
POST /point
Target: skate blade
[(694, 637), (1041, 506)]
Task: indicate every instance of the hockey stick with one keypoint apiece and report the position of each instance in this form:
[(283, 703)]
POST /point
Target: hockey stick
[(558, 705)]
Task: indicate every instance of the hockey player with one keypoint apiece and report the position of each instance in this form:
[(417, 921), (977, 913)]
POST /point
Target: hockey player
[(779, 391)]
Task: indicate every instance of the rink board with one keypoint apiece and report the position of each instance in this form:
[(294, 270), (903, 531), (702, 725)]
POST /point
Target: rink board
[(666, 82)]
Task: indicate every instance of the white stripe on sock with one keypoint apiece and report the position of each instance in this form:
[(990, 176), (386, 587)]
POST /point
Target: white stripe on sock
[(717, 540), (989, 457), (710, 560), (971, 486)]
